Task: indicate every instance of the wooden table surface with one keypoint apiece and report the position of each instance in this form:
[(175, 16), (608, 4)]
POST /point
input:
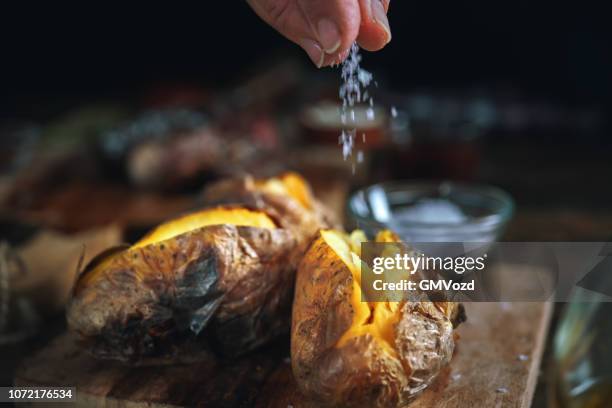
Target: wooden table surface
[(496, 364)]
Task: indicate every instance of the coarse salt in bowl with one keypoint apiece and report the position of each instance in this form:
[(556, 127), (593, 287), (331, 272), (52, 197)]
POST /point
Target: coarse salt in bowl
[(432, 212)]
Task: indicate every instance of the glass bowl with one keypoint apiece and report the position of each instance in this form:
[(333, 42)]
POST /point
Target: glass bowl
[(432, 212)]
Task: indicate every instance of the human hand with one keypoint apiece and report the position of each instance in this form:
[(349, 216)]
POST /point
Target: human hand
[(326, 29)]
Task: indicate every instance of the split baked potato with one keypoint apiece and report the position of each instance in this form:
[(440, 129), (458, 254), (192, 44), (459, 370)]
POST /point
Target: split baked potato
[(220, 277), (351, 353)]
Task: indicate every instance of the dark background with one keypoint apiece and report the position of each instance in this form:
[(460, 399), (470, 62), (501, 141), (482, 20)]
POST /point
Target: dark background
[(53, 57), (56, 58)]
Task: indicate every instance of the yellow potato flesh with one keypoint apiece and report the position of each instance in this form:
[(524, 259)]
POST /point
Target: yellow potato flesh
[(292, 185), (237, 216), (298, 188), (375, 318)]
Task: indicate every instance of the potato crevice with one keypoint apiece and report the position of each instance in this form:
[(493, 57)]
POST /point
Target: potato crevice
[(375, 318)]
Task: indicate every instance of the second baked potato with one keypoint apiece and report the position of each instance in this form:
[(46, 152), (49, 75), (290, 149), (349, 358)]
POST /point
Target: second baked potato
[(351, 353)]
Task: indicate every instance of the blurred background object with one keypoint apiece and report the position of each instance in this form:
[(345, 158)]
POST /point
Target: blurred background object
[(18, 319), (582, 368)]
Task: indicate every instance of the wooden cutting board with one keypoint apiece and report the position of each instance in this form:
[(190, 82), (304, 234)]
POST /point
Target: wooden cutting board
[(495, 365)]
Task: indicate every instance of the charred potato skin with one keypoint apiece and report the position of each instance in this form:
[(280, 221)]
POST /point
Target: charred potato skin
[(230, 285), (360, 372), (288, 212)]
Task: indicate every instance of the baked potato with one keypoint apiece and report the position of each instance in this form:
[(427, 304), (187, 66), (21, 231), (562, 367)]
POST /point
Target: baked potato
[(350, 353), (220, 277)]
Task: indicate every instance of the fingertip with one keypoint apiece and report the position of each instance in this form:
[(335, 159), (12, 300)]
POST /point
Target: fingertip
[(386, 5), (374, 31), (335, 25), (373, 38), (336, 59), (314, 51)]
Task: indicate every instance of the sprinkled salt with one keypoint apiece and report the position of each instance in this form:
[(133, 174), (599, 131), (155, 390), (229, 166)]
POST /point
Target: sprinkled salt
[(522, 357), (501, 390), (393, 112), (359, 156), (355, 80), (456, 376)]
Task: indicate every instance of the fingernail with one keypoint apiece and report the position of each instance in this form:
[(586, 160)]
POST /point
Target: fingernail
[(329, 36), (314, 51), (380, 17)]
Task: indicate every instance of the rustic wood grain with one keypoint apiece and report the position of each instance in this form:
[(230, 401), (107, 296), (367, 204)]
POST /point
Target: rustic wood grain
[(496, 363), (486, 370), (208, 383)]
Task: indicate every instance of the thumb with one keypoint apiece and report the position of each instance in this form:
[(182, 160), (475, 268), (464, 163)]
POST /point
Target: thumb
[(375, 32), (325, 29)]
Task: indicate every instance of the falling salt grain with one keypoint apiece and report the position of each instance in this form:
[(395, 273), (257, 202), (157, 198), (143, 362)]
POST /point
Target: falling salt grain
[(347, 140), (501, 390), (393, 112), (456, 376), (522, 357), (359, 156), (364, 76), (370, 114)]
